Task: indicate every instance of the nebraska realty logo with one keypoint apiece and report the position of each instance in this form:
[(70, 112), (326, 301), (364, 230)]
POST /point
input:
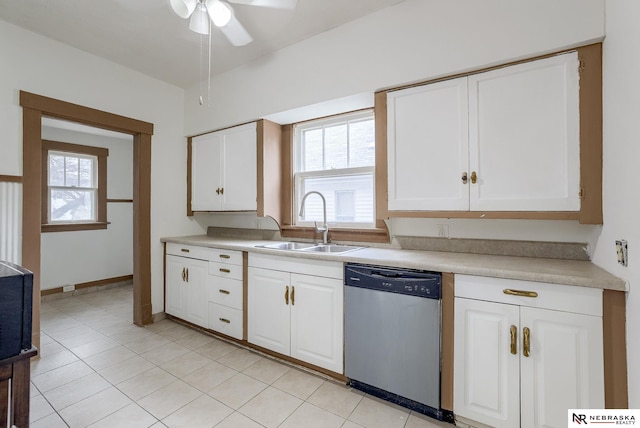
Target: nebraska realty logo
[(603, 416)]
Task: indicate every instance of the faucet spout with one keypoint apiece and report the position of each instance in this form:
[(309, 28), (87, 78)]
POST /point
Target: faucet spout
[(324, 228)]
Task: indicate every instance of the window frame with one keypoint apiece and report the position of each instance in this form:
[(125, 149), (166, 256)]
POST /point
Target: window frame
[(101, 155), (378, 234), (299, 177)]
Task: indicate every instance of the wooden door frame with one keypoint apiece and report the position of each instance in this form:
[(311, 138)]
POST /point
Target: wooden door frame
[(34, 107)]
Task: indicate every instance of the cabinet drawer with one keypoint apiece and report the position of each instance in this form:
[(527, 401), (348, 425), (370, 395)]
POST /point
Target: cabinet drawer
[(225, 320), (191, 251), (224, 270), (566, 298), (232, 257), (224, 291)]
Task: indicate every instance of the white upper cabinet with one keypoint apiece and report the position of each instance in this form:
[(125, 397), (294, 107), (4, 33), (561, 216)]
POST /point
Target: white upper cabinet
[(428, 147), (524, 137), (502, 140), (224, 170)]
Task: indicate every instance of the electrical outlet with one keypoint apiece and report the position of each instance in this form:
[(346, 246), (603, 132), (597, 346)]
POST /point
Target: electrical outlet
[(621, 251), (443, 231), (68, 288)]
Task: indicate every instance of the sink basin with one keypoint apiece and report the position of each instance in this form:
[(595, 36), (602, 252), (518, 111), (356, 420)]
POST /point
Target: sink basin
[(288, 246), (304, 246), (332, 248)]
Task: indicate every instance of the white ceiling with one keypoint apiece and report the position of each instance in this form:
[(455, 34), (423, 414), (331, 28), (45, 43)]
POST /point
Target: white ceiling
[(147, 36)]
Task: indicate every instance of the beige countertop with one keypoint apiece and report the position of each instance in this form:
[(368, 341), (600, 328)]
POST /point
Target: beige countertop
[(555, 271)]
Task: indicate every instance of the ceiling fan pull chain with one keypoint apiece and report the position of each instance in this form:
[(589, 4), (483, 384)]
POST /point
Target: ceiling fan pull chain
[(209, 75)]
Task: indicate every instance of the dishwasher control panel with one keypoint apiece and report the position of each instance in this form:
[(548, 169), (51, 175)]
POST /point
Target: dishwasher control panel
[(394, 280)]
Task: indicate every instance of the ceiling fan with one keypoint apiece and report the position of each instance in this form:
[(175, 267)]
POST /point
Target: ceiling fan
[(203, 12)]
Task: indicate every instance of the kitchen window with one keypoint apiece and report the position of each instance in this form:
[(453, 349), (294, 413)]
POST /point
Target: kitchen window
[(336, 157), (74, 187)]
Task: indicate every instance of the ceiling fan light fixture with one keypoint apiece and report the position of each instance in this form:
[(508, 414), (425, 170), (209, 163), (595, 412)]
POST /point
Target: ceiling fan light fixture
[(219, 12), (199, 21)]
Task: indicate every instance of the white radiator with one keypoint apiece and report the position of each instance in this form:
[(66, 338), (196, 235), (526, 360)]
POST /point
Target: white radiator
[(11, 222)]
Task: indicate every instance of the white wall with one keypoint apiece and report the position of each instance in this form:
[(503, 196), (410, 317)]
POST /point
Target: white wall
[(66, 257), (36, 64), (621, 159)]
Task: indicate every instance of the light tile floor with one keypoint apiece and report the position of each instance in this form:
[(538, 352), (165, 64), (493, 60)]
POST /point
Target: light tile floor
[(99, 370)]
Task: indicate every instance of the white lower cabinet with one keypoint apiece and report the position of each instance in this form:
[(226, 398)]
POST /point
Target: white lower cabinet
[(186, 296), (297, 314), (523, 361), (204, 286)]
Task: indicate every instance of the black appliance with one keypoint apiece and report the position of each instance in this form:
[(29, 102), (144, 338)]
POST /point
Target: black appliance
[(16, 302)]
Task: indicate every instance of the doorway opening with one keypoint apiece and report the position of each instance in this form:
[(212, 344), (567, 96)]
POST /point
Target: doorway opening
[(34, 108)]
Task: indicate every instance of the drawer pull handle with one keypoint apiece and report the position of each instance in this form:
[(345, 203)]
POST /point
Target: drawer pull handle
[(225, 256), (521, 293), (225, 320), (224, 291), (526, 346), (184, 250), (514, 333), (225, 270)]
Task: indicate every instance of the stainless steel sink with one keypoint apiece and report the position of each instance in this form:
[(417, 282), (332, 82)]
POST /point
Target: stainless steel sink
[(316, 248), (288, 246), (332, 248)]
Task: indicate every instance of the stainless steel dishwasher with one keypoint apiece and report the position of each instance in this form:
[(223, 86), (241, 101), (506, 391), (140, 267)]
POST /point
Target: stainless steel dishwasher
[(392, 335)]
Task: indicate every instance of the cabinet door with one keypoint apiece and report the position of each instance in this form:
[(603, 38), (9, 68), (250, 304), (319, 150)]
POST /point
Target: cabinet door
[(174, 283), (205, 171), (317, 321), (239, 169), (427, 147), (195, 292), (524, 137), (486, 372), (564, 369), (268, 318)]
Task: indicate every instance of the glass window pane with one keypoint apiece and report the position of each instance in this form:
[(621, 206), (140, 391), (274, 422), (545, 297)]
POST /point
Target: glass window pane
[(72, 205), (86, 172), (71, 171), (312, 150), (362, 143), (335, 146), (56, 170), (359, 186)]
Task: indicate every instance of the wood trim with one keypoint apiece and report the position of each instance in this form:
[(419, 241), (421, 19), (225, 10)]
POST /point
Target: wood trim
[(189, 172), (117, 201), (286, 208), (31, 207), (101, 154), (381, 174), (336, 234), (446, 366), (615, 349), (74, 148), (269, 169), (590, 58), (530, 215), (97, 283), (34, 107), (106, 281), (10, 179), (142, 312), (89, 116), (71, 227), (245, 295)]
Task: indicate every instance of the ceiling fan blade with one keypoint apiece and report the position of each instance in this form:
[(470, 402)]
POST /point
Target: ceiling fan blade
[(236, 33), (275, 4), (183, 8)]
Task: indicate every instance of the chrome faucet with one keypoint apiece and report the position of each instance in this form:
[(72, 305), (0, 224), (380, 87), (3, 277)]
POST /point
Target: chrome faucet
[(324, 228)]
